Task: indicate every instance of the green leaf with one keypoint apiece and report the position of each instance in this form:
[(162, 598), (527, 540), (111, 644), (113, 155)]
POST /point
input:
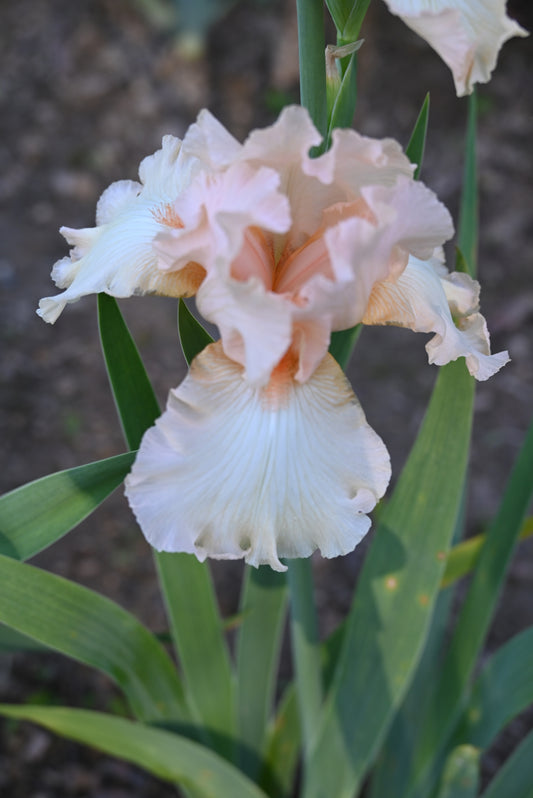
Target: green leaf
[(397, 589), (342, 344), (348, 16), (185, 583), (263, 608), (503, 689), (392, 771), (343, 109), (417, 142), (438, 724), (460, 262), (35, 515), (91, 629), (134, 396), (461, 773), (515, 778), (198, 636), (283, 748), (463, 558), (467, 238), (12, 641), (168, 756), (305, 651), (193, 337)]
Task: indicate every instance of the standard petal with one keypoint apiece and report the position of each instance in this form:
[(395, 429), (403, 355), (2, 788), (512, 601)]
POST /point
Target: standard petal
[(354, 161), (418, 299), (284, 147), (230, 471), (467, 35), (117, 256), (210, 142), (216, 211), (404, 219)]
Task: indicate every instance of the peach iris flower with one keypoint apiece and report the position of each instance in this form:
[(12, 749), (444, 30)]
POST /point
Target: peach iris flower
[(467, 34), (263, 451)]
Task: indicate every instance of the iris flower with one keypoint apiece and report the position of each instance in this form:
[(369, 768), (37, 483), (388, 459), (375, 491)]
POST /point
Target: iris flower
[(467, 34), (263, 451)]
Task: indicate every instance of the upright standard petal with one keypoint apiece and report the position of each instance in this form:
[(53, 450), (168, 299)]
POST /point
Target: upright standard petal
[(117, 256), (423, 298), (467, 34), (233, 471)]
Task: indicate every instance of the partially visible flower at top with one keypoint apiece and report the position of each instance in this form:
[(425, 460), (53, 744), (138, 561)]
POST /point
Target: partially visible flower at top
[(263, 451), (467, 34)]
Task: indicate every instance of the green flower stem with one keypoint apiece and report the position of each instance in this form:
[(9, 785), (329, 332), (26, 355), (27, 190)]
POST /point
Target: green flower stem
[(467, 237), (311, 48), (304, 625), (305, 648)]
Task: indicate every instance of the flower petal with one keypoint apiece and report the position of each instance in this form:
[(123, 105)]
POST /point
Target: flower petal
[(354, 161), (420, 299), (407, 218), (230, 471), (255, 324), (117, 255), (210, 142), (215, 212), (467, 35), (284, 146)]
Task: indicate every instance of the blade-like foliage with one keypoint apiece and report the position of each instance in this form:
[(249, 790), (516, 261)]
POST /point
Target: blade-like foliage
[(91, 629), (263, 608), (185, 583), (35, 515), (12, 641), (348, 16), (193, 337), (417, 143), (515, 778), (198, 635), (439, 721), (283, 748), (463, 558), (166, 755), (460, 778), (396, 592), (503, 689), (133, 393)]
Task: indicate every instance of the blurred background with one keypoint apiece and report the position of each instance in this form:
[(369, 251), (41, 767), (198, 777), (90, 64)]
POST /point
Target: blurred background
[(87, 89)]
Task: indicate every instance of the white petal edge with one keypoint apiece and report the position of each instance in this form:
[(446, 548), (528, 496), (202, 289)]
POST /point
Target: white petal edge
[(231, 471), (467, 34), (117, 256), (420, 299)]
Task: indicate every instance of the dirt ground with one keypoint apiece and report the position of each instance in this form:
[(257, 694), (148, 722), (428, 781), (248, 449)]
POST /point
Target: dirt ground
[(87, 89)]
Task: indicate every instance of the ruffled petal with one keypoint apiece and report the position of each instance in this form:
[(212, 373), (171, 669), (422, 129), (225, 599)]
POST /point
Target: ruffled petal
[(210, 142), (284, 147), (467, 34), (403, 219), (230, 471), (255, 324), (117, 256), (418, 299), (215, 213), (354, 161)]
